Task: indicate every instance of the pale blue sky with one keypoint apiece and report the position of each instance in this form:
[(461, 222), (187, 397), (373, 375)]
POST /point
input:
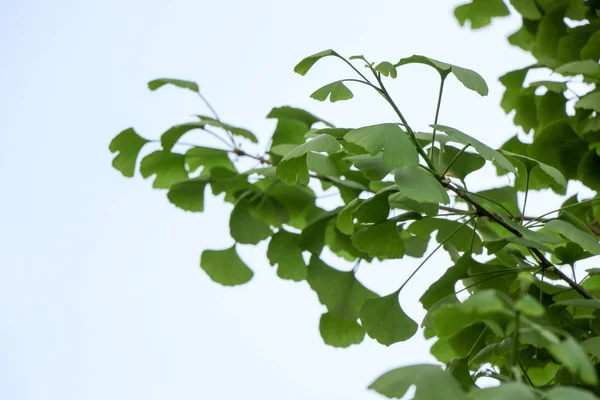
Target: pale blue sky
[(101, 296)]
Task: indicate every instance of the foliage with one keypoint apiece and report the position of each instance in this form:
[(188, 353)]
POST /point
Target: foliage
[(525, 322)]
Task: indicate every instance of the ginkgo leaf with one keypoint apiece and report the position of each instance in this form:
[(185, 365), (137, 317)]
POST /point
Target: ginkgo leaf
[(306, 64), (208, 158), (189, 195), (245, 133), (485, 151), (244, 227), (372, 166), (129, 144), (469, 78), (293, 167), (345, 219), (570, 353), (339, 291), (398, 149), (336, 91), (285, 251), (320, 144), (225, 267), (430, 380), (508, 390), (158, 83), (420, 185), (338, 332), (568, 393), (387, 69), (538, 167), (527, 8), (296, 114), (590, 101), (399, 200), (583, 239), (384, 320), (168, 167), (380, 240)]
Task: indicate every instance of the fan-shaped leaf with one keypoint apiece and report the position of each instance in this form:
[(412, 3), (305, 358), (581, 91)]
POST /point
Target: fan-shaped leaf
[(336, 91), (225, 267), (129, 144), (385, 321)]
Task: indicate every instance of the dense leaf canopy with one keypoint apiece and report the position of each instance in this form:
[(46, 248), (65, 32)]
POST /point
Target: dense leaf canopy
[(526, 320)]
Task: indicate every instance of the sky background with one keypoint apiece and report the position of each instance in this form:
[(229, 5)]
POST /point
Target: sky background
[(101, 296)]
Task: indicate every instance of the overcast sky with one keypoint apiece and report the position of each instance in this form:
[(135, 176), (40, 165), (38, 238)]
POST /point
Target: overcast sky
[(101, 296)]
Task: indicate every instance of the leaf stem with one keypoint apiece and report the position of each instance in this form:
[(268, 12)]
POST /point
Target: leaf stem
[(437, 113), (354, 68), (434, 251), (526, 194)]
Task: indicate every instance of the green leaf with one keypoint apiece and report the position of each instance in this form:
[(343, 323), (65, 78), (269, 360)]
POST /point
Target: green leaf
[(322, 165), (530, 306), (551, 28), (559, 146), (398, 149), (245, 133), (574, 358), (345, 219), (591, 50), (225, 267), (522, 38), (587, 68), (293, 167), (372, 167), (463, 165), (527, 8), (420, 185), (374, 209), (284, 249), (469, 78), (336, 91), (387, 69), (294, 171), (480, 12), (244, 227), (583, 303), (295, 114), (509, 390), (568, 393), (486, 152), (158, 83), (399, 200), (189, 195), (494, 246), (530, 164), (312, 237), (380, 240), (341, 293), (583, 239), (590, 101), (306, 64), (445, 285), (430, 380), (592, 346), (338, 332), (208, 158), (168, 167), (385, 321), (129, 144)]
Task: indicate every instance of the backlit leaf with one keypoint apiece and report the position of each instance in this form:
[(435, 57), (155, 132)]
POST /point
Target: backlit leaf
[(480, 12), (189, 195), (225, 267), (285, 251), (306, 64), (168, 167), (380, 240), (128, 143), (430, 380), (385, 321), (398, 150), (420, 185), (158, 83), (336, 91)]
